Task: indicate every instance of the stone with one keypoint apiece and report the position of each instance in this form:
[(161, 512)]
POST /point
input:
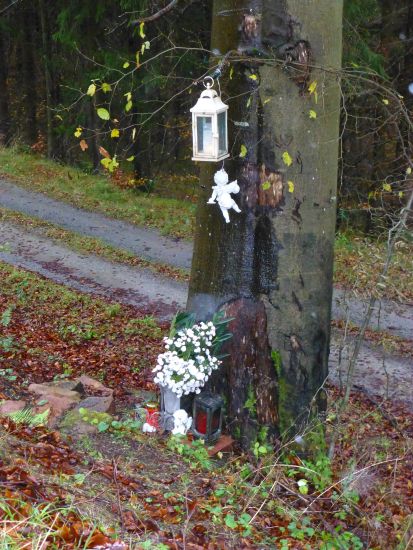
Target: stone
[(71, 385), (223, 445), (9, 406), (50, 390), (72, 424), (57, 405), (100, 404), (91, 385)]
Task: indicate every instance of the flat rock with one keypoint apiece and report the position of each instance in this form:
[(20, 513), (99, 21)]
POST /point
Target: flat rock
[(91, 385), (223, 445), (71, 385), (99, 404), (58, 406), (72, 424), (50, 390), (9, 406)]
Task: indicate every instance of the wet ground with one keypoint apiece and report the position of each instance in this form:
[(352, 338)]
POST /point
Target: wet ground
[(382, 374)]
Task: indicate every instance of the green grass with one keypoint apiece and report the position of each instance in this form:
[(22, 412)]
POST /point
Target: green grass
[(96, 192)]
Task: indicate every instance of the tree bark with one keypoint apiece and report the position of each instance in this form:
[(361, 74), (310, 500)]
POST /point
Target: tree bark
[(45, 32), (271, 267), (4, 100)]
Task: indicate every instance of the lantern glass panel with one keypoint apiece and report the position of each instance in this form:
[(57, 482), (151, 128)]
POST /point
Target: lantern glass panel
[(204, 134), (222, 133)]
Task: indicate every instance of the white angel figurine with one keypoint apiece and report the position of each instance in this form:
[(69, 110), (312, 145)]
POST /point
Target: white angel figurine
[(182, 422), (222, 193)]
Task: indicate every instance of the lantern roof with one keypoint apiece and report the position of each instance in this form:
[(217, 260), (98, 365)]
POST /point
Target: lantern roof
[(209, 102)]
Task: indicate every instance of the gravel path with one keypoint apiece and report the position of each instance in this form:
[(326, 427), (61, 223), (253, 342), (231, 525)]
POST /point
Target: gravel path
[(163, 296), (145, 243)]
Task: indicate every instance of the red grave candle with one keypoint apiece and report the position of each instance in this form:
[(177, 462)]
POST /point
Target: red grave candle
[(152, 415), (201, 422)]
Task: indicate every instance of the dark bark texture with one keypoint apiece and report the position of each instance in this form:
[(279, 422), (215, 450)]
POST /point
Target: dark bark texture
[(271, 267)]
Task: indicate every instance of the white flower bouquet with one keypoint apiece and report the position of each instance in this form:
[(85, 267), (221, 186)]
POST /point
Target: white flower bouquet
[(191, 353)]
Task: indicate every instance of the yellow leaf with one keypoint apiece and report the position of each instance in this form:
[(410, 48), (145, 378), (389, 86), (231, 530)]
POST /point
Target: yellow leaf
[(126, 64), (385, 101), (59, 117), (267, 100), (386, 187), (115, 133), (141, 31), (253, 76), (133, 133), (106, 162), (401, 194), (130, 159), (249, 102), (290, 186), (231, 72), (106, 87), (243, 152), (409, 171), (137, 60), (91, 90), (128, 96), (78, 132), (312, 87), (312, 114), (128, 106), (266, 185), (287, 159)]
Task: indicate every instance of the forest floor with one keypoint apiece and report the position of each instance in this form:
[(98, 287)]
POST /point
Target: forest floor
[(156, 493), (110, 485)]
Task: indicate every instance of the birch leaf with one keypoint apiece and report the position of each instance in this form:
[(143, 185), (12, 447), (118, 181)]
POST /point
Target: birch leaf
[(133, 133), (83, 145), (231, 72), (249, 102), (91, 90), (386, 187), (243, 152), (253, 76), (385, 101), (130, 159), (287, 158), (126, 64), (106, 87), (409, 171), (267, 100), (266, 185), (290, 186), (78, 132), (312, 113), (115, 133), (128, 106), (103, 113), (103, 152)]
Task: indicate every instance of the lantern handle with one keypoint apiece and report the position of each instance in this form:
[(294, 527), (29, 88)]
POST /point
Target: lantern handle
[(208, 85)]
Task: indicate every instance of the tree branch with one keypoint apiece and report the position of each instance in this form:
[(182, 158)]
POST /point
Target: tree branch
[(158, 14)]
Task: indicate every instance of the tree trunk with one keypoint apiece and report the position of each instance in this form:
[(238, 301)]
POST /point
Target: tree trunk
[(44, 23), (4, 100), (28, 74), (271, 267)]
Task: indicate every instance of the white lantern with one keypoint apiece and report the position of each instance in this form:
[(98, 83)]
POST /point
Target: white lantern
[(209, 126)]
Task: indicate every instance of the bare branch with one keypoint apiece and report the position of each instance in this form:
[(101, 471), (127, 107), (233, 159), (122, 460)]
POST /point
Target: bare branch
[(158, 14)]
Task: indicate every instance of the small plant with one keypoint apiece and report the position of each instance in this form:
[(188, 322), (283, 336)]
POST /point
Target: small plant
[(194, 453)]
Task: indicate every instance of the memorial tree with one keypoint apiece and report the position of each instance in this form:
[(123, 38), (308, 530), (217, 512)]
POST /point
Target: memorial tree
[(270, 268)]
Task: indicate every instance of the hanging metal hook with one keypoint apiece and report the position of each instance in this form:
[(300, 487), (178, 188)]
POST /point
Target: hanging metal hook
[(206, 84)]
